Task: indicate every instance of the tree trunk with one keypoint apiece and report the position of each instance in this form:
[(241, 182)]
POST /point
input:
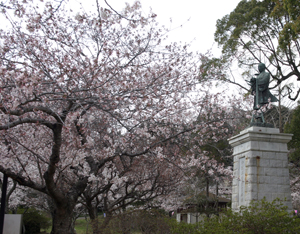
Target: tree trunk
[(105, 223), (92, 210), (207, 197), (217, 198), (279, 110), (62, 220)]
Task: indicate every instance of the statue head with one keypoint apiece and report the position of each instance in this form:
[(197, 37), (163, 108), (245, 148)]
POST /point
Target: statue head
[(261, 67)]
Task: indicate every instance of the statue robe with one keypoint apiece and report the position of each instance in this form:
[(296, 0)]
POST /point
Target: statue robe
[(263, 92)]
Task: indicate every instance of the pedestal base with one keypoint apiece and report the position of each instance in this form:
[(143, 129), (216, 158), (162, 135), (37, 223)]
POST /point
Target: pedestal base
[(260, 166)]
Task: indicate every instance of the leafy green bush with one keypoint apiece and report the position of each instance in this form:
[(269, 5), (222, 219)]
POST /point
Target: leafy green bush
[(34, 220), (182, 227), (260, 217)]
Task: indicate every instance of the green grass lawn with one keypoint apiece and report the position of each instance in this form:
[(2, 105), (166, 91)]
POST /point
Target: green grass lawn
[(82, 226)]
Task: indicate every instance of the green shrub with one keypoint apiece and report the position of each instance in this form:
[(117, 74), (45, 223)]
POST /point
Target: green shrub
[(260, 217), (34, 220), (182, 227)]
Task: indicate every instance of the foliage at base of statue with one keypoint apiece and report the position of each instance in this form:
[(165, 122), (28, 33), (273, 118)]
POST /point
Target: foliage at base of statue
[(34, 220), (182, 228), (260, 217)]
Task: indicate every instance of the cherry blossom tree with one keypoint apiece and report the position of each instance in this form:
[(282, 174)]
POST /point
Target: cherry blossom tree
[(136, 185), (160, 177), (78, 91), (213, 171), (93, 106), (157, 178)]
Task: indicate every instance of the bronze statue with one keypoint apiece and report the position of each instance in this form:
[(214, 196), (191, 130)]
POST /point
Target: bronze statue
[(260, 88), (261, 92)]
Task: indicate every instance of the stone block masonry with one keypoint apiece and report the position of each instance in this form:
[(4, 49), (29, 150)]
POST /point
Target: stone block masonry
[(260, 166)]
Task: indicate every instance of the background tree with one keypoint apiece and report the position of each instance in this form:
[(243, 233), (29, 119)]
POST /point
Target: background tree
[(259, 32), (213, 173), (293, 127), (289, 10), (136, 182), (278, 116)]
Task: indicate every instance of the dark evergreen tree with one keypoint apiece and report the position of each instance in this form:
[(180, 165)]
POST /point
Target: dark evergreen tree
[(259, 32)]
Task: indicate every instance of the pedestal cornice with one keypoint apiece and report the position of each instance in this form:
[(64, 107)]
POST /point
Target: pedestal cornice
[(261, 134)]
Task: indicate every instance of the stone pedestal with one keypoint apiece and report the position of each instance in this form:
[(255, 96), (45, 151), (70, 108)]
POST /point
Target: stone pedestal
[(260, 166)]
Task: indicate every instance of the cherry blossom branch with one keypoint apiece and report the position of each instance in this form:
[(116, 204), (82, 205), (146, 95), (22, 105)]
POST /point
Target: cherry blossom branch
[(26, 120), (22, 180), (23, 110), (122, 16)]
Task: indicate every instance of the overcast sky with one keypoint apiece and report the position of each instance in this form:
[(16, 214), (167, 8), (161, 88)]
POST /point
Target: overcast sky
[(197, 17)]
